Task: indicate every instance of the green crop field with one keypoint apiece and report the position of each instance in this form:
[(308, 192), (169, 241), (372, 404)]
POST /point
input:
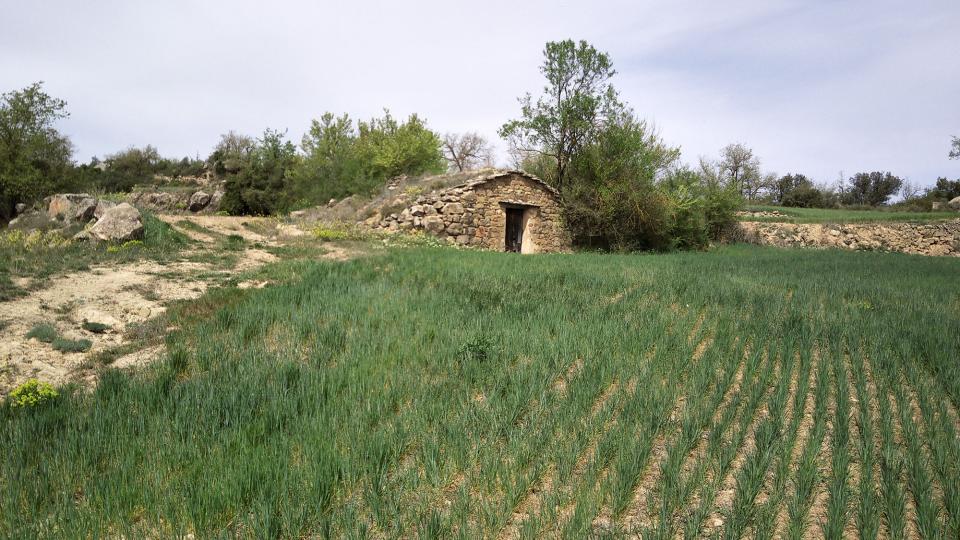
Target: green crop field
[(844, 215), (439, 393)]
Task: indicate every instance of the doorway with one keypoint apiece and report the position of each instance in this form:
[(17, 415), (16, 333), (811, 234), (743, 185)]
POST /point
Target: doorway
[(514, 239)]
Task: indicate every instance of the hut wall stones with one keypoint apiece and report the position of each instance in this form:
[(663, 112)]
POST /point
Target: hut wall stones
[(477, 213)]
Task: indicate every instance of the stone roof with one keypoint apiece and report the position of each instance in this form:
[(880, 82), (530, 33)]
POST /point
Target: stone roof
[(482, 176)]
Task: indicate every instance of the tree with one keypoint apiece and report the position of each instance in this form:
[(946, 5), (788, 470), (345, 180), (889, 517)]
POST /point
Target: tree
[(786, 184), (386, 148), (741, 168), (871, 189), (466, 151), (909, 191), (945, 189), (34, 156), (260, 185), (231, 152), (955, 148), (578, 101), (611, 198), (329, 168)]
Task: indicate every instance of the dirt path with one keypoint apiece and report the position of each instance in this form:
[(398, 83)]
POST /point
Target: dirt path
[(126, 295)]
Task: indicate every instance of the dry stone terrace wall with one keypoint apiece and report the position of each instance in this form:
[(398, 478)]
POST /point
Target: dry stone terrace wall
[(937, 238), (475, 214)]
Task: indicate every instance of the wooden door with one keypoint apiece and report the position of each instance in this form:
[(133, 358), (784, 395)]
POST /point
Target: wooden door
[(514, 238)]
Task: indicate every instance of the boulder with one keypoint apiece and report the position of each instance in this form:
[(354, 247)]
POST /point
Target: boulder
[(954, 203), (199, 201), (215, 199), (121, 223), (62, 204), (102, 207), (937, 205), (83, 210), (20, 208)]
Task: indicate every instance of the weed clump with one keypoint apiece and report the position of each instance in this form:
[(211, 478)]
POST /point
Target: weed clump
[(130, 244), (71, 345), (476, 351), (327, 233), (43, 332), (32, 393), (95, 327)]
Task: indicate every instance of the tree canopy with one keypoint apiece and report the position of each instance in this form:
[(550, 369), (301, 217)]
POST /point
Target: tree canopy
[(871, 189), (578, 101), (34, 156)]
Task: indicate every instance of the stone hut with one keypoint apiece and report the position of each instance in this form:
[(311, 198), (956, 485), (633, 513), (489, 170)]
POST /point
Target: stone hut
[(499, 209)]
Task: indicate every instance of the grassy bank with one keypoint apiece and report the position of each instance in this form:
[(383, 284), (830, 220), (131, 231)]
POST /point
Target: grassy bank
[(435, 392), (832, 215), (38, 255)]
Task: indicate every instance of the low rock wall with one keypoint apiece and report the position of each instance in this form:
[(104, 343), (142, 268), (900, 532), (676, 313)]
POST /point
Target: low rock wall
[(934, 238)]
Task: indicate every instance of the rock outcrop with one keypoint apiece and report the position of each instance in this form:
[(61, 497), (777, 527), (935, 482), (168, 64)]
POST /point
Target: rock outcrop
[(169, 202), (198, 201), (121, 223), (932, 238), (70, 206), (954, 203)]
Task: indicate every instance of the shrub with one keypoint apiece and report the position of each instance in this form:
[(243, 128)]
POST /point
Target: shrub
[(70, 345), (32, 393), (43, 332), (130, 244), (624, 192), (806, 196), (328, 233), (475, 351), (95, 327), (261, 182)]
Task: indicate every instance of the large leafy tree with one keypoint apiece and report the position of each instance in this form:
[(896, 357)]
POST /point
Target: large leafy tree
[(871, 189), (786, 184), (387, 148), (339, 160), (329, 167), (34, 156), (577, 103)]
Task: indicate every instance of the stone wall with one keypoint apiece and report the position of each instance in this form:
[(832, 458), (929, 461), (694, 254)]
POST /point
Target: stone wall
[(475, 214), (934, 238)]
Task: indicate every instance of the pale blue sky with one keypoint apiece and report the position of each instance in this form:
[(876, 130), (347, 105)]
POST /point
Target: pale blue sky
[(813, 86)]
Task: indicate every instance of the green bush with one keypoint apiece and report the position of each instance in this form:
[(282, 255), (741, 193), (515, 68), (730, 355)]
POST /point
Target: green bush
[(260, 185), (625, 193), (806, 196), (32, 393), (43, 332), (71, 345), (95, 327), (340, 161)]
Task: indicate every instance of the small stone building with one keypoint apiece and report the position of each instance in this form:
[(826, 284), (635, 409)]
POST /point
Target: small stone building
[(500, 210)]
